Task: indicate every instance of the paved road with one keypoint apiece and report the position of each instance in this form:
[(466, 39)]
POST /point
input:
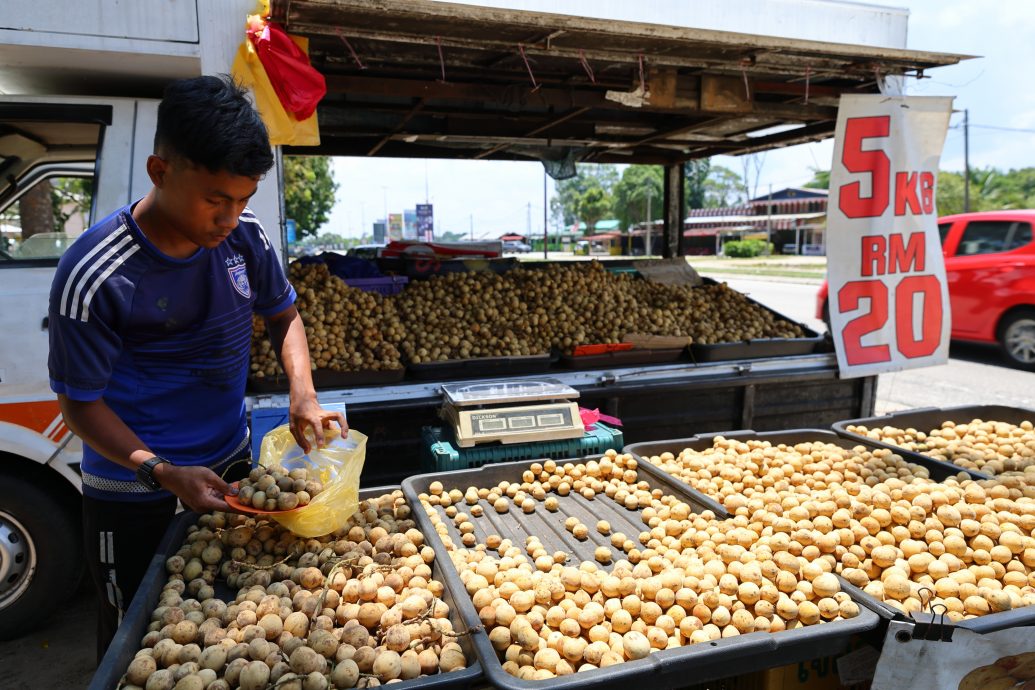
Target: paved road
[(974, 375)]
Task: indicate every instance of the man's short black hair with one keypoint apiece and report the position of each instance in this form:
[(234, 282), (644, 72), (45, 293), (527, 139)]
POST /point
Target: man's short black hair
[(209, 121)]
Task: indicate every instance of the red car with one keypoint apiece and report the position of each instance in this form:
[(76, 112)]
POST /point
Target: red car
[(990, 267)]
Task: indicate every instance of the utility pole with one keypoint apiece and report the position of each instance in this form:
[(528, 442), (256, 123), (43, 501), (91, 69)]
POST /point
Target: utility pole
[(472, 227), (546, 232), (966, 161), (769, 220), (650, 221), (384, 189)]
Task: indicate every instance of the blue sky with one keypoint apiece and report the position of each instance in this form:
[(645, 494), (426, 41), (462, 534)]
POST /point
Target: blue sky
[(997, 88)]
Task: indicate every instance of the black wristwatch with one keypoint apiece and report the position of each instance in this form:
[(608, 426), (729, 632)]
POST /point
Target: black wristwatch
[(146, 473)]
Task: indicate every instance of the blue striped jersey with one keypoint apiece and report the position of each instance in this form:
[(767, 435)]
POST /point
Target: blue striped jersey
[(165, 342)]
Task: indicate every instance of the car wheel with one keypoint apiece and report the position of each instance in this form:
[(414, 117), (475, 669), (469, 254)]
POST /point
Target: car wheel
[(40, 555), (1017, 339)]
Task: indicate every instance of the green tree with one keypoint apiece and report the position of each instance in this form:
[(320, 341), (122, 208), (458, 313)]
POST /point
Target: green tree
[(983, 193), (70, 196), (723, 187), (450, 236), (565, 205), (820, 179), (309, 189), (594, 205), (638, 183), (696, 172)]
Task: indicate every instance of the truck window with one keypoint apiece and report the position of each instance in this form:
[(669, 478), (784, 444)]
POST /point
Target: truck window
[(48, 155), (993, 236), (46, 218), (943, 231)]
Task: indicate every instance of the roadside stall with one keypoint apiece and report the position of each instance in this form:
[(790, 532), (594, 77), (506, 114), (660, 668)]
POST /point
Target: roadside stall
[(655, 479)]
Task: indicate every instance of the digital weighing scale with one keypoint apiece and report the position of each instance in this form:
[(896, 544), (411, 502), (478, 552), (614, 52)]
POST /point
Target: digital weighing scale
[(512, 411)]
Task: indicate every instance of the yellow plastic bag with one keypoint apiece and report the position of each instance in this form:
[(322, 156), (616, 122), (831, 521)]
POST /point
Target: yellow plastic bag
[(338, 465), (283, 128)]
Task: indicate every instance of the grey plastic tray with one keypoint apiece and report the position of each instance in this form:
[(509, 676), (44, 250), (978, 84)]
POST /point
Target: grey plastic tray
[(928, 418), (669, 668), (127, 639)]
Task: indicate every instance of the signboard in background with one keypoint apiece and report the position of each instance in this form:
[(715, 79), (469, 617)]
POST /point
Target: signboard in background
[(889, 303), (395, 226), (290, 231), (380, 230), (409, 224), (425, 223)]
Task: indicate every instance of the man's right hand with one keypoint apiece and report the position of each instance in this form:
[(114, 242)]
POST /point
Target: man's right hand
[(198, 488)]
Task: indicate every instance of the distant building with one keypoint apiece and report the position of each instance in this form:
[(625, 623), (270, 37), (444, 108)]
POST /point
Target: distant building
[(380, 231), (794, 219)]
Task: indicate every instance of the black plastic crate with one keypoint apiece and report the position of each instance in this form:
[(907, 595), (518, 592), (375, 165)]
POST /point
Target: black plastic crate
[(134, 625), (326, 378), (479, 366), (928, 418), (670, 668), (624, 358)]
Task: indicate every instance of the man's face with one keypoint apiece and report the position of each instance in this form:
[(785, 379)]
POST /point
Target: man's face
[(204, 205)]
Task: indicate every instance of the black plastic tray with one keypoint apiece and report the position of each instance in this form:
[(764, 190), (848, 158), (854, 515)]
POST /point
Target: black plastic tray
[(623, 358), (327, 378), (928, 418), (660, 670), (791, 437), (480, 366), (760, 347), (755, 349), (1015, 618), (127, 639)]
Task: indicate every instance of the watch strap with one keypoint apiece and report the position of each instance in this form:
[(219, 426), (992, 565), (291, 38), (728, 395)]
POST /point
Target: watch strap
[(146, 472)]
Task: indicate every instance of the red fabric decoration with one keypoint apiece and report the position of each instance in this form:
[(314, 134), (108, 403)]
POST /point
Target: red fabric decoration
[(297, 84), (591, 417)]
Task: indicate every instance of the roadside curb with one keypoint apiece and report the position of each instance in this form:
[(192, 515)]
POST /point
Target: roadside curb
[(762, 278)]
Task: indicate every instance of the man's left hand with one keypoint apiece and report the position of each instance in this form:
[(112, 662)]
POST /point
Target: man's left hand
[(306, 414)]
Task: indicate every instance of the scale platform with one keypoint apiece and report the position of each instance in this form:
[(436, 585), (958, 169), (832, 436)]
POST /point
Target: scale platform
[(512, 411)]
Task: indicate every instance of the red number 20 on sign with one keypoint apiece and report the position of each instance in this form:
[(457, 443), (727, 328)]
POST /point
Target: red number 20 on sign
[(887, 256)]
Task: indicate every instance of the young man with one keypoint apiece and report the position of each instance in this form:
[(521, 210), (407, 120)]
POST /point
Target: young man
[(150, 331)]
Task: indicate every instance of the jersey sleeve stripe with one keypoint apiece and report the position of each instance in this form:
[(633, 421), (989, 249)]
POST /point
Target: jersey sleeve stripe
[(70, 281), (104, 276), (73, 309), (249, 217)]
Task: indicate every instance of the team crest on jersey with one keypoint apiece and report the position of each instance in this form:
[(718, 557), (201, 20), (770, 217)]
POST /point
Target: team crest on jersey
[(239, 279)]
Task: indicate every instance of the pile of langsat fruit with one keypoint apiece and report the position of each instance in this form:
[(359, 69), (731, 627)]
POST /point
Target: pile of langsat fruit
[(519, 313), (991, 447), (278, 489), (877, 520), (357, 608), (685, 578)]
